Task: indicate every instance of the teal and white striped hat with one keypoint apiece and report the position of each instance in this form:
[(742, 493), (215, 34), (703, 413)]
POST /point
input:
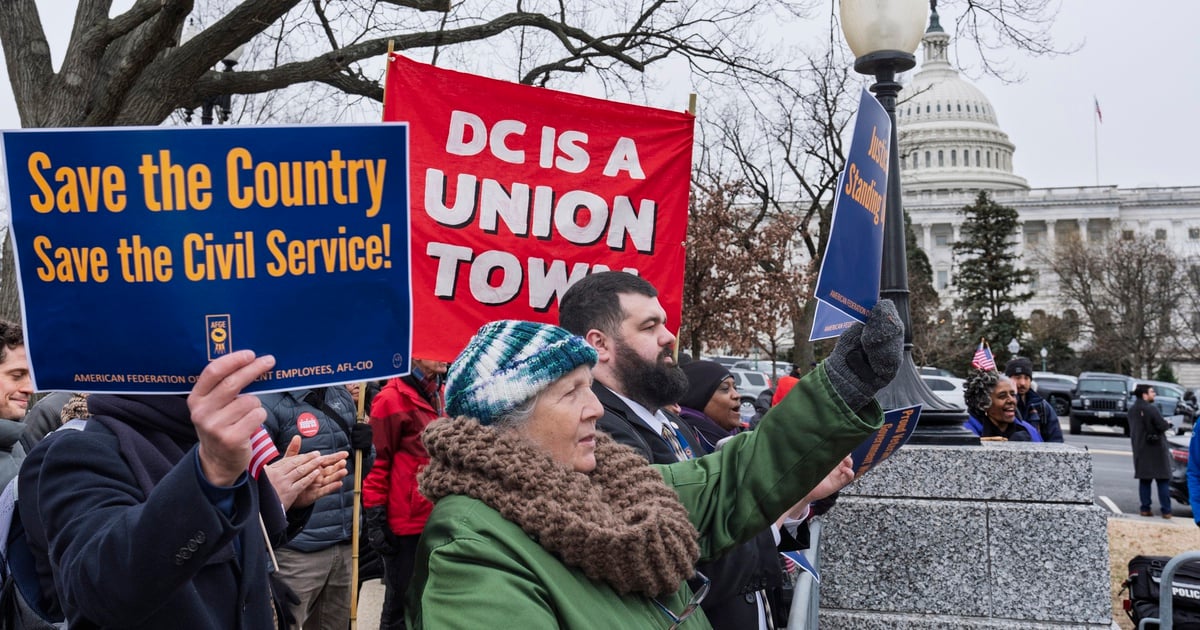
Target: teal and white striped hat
[(508, 362)]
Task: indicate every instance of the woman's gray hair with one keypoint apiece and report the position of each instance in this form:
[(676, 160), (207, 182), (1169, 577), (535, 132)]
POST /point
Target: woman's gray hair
[(518, 416), (977, 391)]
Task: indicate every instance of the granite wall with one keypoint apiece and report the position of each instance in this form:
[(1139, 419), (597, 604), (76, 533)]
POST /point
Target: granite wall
[(1001, 535)]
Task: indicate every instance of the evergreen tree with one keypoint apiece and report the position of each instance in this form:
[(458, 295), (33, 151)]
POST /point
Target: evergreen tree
[(1165, 373), (986, 274)]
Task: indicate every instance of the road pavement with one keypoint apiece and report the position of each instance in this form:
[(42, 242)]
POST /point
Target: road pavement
[(1112, 473)]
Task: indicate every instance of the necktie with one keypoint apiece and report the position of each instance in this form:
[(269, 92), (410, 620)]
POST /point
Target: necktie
[(672, 438)]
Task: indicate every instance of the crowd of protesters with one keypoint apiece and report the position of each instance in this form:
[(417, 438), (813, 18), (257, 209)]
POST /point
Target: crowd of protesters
[(575, 476)]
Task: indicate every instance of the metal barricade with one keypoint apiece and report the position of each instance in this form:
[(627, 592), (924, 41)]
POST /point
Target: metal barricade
[(806, 595)]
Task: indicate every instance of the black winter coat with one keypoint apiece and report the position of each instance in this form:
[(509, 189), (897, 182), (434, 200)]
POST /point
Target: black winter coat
[(1150, 460), (119, 556)]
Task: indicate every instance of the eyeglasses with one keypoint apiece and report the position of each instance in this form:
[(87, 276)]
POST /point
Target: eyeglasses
[(697, 597)]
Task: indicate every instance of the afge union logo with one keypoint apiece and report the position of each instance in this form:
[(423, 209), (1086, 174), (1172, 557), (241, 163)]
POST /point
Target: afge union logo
[(216, 329)]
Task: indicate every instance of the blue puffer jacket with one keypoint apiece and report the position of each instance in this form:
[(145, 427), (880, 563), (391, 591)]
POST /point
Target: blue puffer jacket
[(1018, 426), (289, 415)]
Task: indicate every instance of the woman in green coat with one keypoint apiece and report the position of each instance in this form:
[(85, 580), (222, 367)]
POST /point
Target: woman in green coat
[(540, 521)]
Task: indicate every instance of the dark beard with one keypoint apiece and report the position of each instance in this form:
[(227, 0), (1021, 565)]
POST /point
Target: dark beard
[(651, 383)]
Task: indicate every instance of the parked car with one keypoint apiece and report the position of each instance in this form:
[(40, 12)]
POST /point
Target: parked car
[(1056, 389), (1101, 398), (926, 370), (773, 369), (725, 361), (1104, 398), (1179, 462), (752, 386), (948, 388), (1170, 400)]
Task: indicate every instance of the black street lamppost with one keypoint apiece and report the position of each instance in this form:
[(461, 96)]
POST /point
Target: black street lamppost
[(221, 104), (883, 34)]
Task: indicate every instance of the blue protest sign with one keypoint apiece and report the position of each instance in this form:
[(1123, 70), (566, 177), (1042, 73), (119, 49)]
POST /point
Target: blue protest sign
[(143, 254), (898, 426), (849, 277), (829, 322), (802, 561)]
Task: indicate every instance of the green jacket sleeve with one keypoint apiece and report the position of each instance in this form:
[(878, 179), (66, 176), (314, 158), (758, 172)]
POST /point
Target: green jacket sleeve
[(738, 491)]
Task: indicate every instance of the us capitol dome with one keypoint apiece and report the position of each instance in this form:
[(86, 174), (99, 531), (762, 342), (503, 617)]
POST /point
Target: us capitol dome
[(949, 136)]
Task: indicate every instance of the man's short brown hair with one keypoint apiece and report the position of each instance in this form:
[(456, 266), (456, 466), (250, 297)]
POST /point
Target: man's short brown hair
[(595, 301), (10, 337)]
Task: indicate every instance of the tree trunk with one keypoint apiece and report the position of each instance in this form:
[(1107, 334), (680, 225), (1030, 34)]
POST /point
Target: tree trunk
[(10, 303), (803, 354)]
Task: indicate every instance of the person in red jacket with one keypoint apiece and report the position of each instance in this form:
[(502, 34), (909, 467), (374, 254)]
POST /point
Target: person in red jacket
[(395, 512)]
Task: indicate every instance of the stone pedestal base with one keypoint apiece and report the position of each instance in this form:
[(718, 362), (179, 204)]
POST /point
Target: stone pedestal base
[(1002, 535)]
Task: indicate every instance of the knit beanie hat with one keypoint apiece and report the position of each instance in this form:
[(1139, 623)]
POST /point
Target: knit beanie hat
[(704, 377), (1017, 366), (508, 362)]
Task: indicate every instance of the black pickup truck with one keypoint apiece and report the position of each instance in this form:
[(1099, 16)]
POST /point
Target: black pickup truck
[(1104, 398)]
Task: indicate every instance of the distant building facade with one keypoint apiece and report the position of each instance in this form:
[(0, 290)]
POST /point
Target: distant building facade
[(952, 146)]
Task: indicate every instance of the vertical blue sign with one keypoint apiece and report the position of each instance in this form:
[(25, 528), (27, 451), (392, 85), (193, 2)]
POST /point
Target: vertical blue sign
[(848, 282), (143, 254)]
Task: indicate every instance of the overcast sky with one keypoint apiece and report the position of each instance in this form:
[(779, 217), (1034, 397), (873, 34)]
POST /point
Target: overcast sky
[(1134, 59)]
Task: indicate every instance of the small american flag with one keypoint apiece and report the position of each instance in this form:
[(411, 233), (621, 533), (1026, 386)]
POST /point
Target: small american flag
[(1099, 116), (983, 358), (262, 451)]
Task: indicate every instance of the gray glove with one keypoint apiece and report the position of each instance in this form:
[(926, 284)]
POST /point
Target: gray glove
[(866, 357)]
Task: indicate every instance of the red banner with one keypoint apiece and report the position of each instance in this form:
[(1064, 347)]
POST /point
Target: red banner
[(518, 192)]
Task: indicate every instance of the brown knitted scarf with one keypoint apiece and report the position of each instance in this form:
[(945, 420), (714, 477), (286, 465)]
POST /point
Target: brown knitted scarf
[(620, 523)]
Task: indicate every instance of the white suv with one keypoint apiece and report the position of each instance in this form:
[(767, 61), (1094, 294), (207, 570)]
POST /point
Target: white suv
[(750, 384)]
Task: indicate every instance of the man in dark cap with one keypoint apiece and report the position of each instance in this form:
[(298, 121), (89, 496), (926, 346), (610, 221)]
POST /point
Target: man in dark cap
[(1031, 407)]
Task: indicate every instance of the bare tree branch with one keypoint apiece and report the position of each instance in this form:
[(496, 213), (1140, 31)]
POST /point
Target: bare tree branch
[(325, 25), (422, 5)]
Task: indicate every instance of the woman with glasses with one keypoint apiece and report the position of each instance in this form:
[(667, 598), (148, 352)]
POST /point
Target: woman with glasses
[(541, 521)]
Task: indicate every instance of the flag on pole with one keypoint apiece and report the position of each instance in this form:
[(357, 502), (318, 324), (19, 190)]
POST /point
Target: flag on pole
[(983, 357), (1099, 116), (262, 451)]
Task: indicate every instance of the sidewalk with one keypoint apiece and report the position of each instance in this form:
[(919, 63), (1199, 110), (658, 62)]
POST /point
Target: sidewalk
[(1178, 520), (370, 602)]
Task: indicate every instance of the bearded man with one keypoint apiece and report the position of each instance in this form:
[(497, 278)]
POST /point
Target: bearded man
[(636, 379), (620, 316)]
